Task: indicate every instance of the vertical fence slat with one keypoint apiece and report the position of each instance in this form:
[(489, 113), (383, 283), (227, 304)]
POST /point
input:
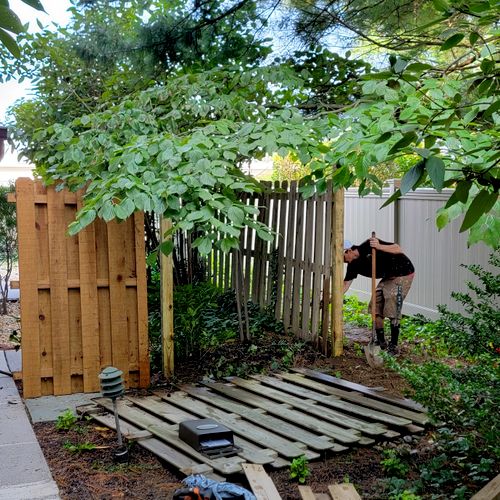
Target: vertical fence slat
[(281, 242), (307, 259), (290, 242), (167, 306), (59, 293), (117, 294), (27, 241), (142, 300), (297, 266), (89, 307), (325, 316), (317, 266)]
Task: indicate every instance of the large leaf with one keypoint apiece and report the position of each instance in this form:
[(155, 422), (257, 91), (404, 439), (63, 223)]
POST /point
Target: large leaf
[(435, 168), (36, 4), (9, 21), (9, 43), (480, 205), (452, 41), (406, 140), (411, 178)]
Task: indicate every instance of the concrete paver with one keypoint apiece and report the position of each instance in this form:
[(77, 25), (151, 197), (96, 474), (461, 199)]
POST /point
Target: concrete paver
[(24, 473)]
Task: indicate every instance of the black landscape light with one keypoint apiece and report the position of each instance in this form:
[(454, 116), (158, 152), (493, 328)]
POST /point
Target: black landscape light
[(112, 387)]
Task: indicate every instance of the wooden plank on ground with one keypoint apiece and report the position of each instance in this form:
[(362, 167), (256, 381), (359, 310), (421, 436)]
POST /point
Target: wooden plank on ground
[(335, 402), (490, 492), (344, 491), (161, 408), (284, 411), (309, 405), (285, 447), (261, 418), (162, 450), (345, 384), (261, 484), (306, 493), (170, 434), (356, 397)]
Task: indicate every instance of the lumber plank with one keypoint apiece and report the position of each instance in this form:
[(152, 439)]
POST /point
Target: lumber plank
[(327, 298), (335, 402), (167, 305), (285, 412), (317, 273), (307, 275), (261, 484), (344, 491), (297, 271), (307, 404), (356, 397), (170, 434), (89, 307), (28, 236), (262, 419), (162, 450), (329, 379), (306, 493), (280, 242), (283, 446), (489, 492), (160, 408), (59, 302), (142, 301), (118, 300), (288, 258)]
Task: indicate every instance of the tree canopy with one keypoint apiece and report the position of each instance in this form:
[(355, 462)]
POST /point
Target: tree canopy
[(180, 119)]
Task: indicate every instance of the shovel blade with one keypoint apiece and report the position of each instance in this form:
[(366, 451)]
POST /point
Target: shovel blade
[(373, 357)]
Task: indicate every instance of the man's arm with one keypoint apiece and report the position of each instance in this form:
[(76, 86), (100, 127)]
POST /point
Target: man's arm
[(385, 247), (347, 284)]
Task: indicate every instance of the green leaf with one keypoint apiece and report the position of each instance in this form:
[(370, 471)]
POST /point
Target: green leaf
[(452, 41), (442, 218), (411, 178), (406, 140), (124, 209), (462, 191), (227, 244), (9, 20), (207, 179), (436, 169), (441, 5), (473, 37), (36, 4), (418, 67), (394, 196), (480, 205), (204, 245), (88, 217), (236, 215), (167, 247), (307, 190), (487, 66), (492, 108), (384, 137), (9, 43), (151, 258)]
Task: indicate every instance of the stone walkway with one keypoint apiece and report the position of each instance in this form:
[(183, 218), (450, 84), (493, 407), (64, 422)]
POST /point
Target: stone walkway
[(24, 473)]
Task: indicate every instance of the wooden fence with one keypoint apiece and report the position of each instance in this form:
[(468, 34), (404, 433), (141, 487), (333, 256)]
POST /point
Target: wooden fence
[(291, 274), (83, 298)]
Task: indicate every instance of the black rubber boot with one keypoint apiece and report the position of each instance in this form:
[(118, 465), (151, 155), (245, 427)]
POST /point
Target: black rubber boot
[(380, 338), (392, 348)]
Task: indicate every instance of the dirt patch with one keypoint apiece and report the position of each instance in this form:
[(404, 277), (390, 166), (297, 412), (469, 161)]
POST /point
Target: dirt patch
[(92, 474)]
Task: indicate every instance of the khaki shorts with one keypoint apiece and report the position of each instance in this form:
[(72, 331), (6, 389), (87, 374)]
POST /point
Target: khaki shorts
[(390, 294)]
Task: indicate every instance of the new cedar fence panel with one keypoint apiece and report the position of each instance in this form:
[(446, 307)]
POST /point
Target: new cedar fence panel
[(290, 275), (83, 298)]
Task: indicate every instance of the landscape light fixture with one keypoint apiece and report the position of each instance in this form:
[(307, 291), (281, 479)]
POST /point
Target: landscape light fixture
[(112, 387)]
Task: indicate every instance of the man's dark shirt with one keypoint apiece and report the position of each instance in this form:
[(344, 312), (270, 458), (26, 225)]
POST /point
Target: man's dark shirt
[(389, 265)]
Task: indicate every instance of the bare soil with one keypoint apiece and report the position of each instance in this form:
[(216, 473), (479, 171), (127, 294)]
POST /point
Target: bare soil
[(93, 474)]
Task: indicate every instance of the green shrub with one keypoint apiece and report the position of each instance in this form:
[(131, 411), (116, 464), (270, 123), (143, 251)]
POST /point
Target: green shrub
[(355, 312), (66, 421), (393, 465), (299, 469)]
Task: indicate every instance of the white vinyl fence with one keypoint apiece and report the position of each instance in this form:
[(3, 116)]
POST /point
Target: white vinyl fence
[(436, 255)]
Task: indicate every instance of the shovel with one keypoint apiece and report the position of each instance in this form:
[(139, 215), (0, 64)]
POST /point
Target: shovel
[(372, 351)]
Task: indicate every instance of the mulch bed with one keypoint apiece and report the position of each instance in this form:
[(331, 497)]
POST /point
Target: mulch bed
[(93, 474)]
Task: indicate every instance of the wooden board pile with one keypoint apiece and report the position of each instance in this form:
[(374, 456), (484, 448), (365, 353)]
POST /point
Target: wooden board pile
[(274, 419)]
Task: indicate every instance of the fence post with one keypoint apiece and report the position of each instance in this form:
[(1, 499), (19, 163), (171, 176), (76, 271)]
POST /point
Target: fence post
[(337, 265), (167, 305)]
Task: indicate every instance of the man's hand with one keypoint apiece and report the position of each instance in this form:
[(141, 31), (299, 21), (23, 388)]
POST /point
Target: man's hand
[(392, 248), (375, 243)]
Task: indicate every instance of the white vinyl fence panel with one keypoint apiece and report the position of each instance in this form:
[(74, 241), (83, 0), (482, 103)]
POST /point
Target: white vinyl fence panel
[(436, 255)]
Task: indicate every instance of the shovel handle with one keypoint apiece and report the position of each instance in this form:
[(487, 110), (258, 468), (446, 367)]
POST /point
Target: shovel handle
[(374, 281)]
